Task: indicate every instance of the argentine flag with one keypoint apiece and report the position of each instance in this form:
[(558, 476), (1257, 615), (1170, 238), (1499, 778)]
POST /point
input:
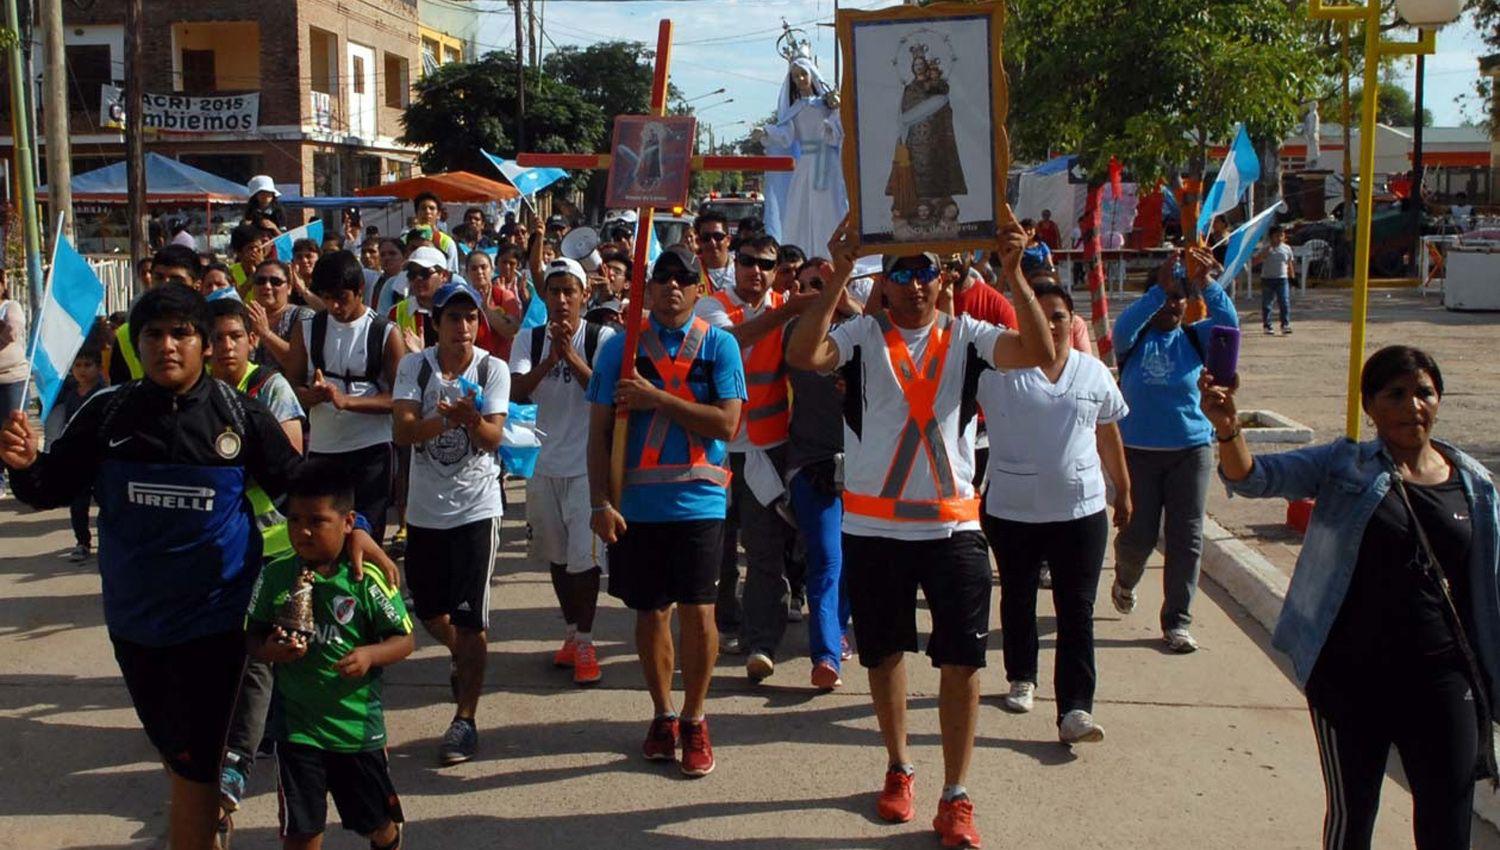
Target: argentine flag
[(69, 307), (528, 181), (1244, 240), (1241, 168), (312, 230)]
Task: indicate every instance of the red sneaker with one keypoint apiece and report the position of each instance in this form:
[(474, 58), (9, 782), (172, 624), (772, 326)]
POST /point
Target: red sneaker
[(955, 823), (586, 665), (661, 740), (697, 752), (895, 801), (565, 655)]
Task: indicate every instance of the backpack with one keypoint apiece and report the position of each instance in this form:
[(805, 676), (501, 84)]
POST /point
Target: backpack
[(591, 332), (374, 348)]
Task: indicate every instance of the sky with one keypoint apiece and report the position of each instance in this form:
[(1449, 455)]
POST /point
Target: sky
[(731, 44)]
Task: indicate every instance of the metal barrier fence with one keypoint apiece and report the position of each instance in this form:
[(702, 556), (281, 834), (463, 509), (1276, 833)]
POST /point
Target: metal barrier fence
[(118, 277)]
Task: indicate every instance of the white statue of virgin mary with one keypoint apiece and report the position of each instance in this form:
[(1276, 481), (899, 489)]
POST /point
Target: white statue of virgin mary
[(805, 208)]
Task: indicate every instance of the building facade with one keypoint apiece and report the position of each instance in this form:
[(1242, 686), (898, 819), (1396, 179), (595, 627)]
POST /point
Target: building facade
[(332, 79)]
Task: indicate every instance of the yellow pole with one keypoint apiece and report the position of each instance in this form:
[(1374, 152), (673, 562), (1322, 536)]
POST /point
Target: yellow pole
[(1375, 50), (1362, 225)]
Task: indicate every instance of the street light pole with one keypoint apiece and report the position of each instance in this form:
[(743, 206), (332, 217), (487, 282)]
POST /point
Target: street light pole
[(1375, 50)]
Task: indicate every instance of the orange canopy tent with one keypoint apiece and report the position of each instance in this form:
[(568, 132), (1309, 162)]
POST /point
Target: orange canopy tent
[(456, 187)]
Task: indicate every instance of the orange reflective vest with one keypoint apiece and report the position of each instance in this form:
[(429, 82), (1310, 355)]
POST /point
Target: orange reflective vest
[(919, 384), (767, 414), (674, 379)]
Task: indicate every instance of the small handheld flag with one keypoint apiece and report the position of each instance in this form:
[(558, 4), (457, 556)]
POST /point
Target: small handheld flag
[(69, 307), (1240, 170), (312, 230)]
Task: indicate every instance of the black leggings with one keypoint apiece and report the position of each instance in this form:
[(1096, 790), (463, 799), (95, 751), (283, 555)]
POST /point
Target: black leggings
[(1074, 551), (1428, 714)]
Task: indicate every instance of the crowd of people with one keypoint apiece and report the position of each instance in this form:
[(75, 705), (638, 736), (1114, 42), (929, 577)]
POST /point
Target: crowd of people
[(260, 434)]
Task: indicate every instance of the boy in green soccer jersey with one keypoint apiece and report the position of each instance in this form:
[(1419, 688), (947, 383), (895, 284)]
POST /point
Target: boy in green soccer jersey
[(329, 724)]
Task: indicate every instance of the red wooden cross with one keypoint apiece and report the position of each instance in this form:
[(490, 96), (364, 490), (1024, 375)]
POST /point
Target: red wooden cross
[(643, 229)]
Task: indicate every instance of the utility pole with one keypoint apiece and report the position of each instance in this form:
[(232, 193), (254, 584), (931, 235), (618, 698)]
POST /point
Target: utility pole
[(25, 167), (135, 110), (520, 76), (531, 33), (59, 149)]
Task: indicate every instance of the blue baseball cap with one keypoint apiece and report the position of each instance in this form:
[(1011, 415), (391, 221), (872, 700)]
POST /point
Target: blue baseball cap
[(455, 289)]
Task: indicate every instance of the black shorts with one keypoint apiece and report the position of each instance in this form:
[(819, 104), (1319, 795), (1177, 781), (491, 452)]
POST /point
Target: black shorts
[(448, 571), (655, 564), (882, 576), (359, 782), (184, 695)]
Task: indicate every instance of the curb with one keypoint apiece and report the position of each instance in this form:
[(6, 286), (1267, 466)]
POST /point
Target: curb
[(1260, 588)]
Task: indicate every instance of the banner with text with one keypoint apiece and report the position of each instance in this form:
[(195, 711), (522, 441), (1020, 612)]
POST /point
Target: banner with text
[(180, 113)]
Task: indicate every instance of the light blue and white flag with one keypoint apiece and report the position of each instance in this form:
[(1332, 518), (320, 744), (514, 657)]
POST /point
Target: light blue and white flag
[(1240, 170), (312, 230), (1245, 239), (528, 181), (69, 307)]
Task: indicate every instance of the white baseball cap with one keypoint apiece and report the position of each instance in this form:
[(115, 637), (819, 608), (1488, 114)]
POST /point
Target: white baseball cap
[(262, 183), (428, 257), (564, 265)]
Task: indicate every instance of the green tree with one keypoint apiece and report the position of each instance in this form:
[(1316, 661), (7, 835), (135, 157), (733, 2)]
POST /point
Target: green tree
[(1394, 105), (464, 106)]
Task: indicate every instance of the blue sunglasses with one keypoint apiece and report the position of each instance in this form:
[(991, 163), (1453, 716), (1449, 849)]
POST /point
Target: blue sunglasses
[(904, 277)]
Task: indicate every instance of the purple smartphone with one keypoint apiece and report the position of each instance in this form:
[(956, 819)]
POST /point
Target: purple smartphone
[(1223, 354)]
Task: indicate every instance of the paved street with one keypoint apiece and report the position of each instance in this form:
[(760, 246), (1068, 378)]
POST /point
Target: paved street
[(1209, 750)]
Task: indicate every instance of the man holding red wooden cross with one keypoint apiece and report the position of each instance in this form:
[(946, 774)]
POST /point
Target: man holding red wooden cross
[(911, 516)]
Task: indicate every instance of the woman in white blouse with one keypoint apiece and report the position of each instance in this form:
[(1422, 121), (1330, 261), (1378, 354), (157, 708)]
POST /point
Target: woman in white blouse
[(1052, 439)]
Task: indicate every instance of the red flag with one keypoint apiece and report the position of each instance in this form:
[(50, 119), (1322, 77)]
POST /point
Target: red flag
[(1116, 178)]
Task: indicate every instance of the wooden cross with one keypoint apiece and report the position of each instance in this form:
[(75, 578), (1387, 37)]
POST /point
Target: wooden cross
[(595, 162)]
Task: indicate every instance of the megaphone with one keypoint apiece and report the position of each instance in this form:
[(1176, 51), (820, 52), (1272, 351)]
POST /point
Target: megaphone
[(582, 244)]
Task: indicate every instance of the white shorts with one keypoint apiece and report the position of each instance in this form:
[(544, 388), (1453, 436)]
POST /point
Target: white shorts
[(557, 523)]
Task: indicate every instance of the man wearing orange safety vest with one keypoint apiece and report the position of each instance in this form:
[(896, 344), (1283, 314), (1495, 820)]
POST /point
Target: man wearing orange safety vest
[(756, 316), (666, 533), (911, 516)]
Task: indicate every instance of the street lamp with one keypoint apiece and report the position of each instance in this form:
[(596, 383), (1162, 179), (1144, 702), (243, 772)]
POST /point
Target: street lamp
[(704, 109), (707, 94), (1430, 14)]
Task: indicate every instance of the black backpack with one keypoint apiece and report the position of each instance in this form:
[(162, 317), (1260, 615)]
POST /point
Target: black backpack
[(374, 349)]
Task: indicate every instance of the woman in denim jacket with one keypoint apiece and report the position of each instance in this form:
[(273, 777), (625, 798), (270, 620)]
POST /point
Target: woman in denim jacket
[(1388, 649)]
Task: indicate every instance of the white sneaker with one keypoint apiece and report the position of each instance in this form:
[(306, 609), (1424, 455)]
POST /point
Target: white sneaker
[(1078, 727), (758, 666), (1180, 641), (1123, 598), (1020, 698)]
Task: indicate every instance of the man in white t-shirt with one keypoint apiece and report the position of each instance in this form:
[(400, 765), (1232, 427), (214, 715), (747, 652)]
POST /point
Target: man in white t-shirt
[(756, 315), (1278, 265), (342, 363), (552, 366), (911, 517), (712, 229), (450, 406)]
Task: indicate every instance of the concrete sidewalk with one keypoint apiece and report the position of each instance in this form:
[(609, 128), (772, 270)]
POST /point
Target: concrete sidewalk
[(1207, 750)]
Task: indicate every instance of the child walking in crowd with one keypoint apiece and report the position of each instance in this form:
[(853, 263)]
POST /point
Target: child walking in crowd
[(1278, 266), (328, 635), (84, 379)]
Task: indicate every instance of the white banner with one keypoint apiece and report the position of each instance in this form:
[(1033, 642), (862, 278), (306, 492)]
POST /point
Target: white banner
[(180, 113)]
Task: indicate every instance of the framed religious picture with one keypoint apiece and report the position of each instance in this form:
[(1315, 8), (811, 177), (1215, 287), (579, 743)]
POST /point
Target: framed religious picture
[(652, 164), (925, 151)]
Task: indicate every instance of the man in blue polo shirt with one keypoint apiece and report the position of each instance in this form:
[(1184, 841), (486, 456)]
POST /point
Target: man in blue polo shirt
[(666, 534)]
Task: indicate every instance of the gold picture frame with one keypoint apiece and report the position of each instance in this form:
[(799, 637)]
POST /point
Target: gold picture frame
[(923, 89)]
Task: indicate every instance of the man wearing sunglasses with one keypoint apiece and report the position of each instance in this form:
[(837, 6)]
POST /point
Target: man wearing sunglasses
[(666, 533), (911, 516), (755, 314), (712, 230)]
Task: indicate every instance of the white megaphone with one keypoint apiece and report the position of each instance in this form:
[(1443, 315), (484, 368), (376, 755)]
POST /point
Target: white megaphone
[(582, 244)]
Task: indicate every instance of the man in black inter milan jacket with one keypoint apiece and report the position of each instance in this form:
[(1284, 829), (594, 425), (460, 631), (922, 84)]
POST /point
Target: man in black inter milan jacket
[(169, 458)]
